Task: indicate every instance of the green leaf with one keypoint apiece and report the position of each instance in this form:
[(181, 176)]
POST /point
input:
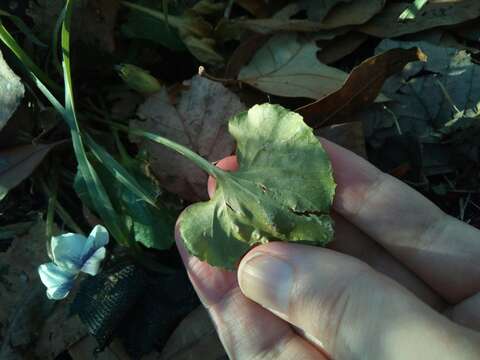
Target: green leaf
[(283, 190), (119, 173), (138, 79), (150, 225), (287, 65)]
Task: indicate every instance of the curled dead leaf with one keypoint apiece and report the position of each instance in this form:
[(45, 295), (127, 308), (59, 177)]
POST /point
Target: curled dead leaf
[(360, 89)]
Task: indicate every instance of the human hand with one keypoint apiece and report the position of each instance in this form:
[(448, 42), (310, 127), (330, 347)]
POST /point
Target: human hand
[(401, 280)]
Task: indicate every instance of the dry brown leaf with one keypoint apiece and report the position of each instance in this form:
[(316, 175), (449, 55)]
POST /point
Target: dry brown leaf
[(337, 22), (318, 10), (434, 14), (333, 51), (94, 20), (86, 349), (17, 163), (195, 335), (198, 121), (360, 89), (349, 135), (18, 267), (59, 331), (30, 324), (243, 54), (258, 8), (99, 19), (353, 13), (275, 25), (11, 92), (287, 65)]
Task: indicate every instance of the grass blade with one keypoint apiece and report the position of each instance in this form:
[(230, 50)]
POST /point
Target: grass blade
[(95, 187), (119, 172), (23, 28), (38, 73)]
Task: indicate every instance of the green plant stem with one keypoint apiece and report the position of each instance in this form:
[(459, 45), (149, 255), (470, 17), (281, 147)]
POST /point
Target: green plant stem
[(182, 150)]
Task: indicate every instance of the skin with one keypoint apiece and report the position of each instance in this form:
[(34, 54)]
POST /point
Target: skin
[(401, 280)]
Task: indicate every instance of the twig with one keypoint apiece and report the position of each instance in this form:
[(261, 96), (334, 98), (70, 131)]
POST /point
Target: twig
[(203, 73)]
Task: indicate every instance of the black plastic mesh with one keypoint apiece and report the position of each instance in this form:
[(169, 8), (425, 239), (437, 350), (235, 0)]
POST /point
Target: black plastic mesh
[(104, 300)]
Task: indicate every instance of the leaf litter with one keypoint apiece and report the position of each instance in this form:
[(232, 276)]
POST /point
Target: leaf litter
[(198, 120)]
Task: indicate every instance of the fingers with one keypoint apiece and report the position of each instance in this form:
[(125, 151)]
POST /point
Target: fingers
[(230, 164), (351, 241), (467, 313), (347, 308), (246, 330), (440, 249)]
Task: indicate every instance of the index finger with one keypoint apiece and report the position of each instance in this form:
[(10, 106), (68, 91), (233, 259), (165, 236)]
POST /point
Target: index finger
[(440, 249)]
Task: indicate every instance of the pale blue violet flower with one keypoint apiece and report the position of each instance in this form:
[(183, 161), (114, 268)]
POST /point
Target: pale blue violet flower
[(72, 254)]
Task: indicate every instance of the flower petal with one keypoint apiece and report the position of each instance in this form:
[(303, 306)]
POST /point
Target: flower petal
[(58, 281), (68, 250), (98, 236), (92, 265)]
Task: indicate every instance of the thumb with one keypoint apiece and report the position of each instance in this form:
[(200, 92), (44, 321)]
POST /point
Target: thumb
[(347, 309)]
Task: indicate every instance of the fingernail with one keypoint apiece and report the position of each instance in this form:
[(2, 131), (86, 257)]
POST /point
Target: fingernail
[(267, 280)]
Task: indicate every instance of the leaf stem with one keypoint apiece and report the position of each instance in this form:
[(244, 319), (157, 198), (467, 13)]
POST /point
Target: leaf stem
[(180, 149)]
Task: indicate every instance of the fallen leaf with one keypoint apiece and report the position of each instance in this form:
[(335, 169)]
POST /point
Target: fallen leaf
[(94, 21), (434, 14), (318, 10), (17, 163), (428, 99), (11, 92), (194, 335), (440, 37), (287, 65), (352, 13), (198, 121), (283, 190), (337, 22), (98, 22), (257, 8), (337, 49), (19, 268), (59, 331), (243, 54), (360, 89), (30, 324), (349, 135), (87, 348)]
